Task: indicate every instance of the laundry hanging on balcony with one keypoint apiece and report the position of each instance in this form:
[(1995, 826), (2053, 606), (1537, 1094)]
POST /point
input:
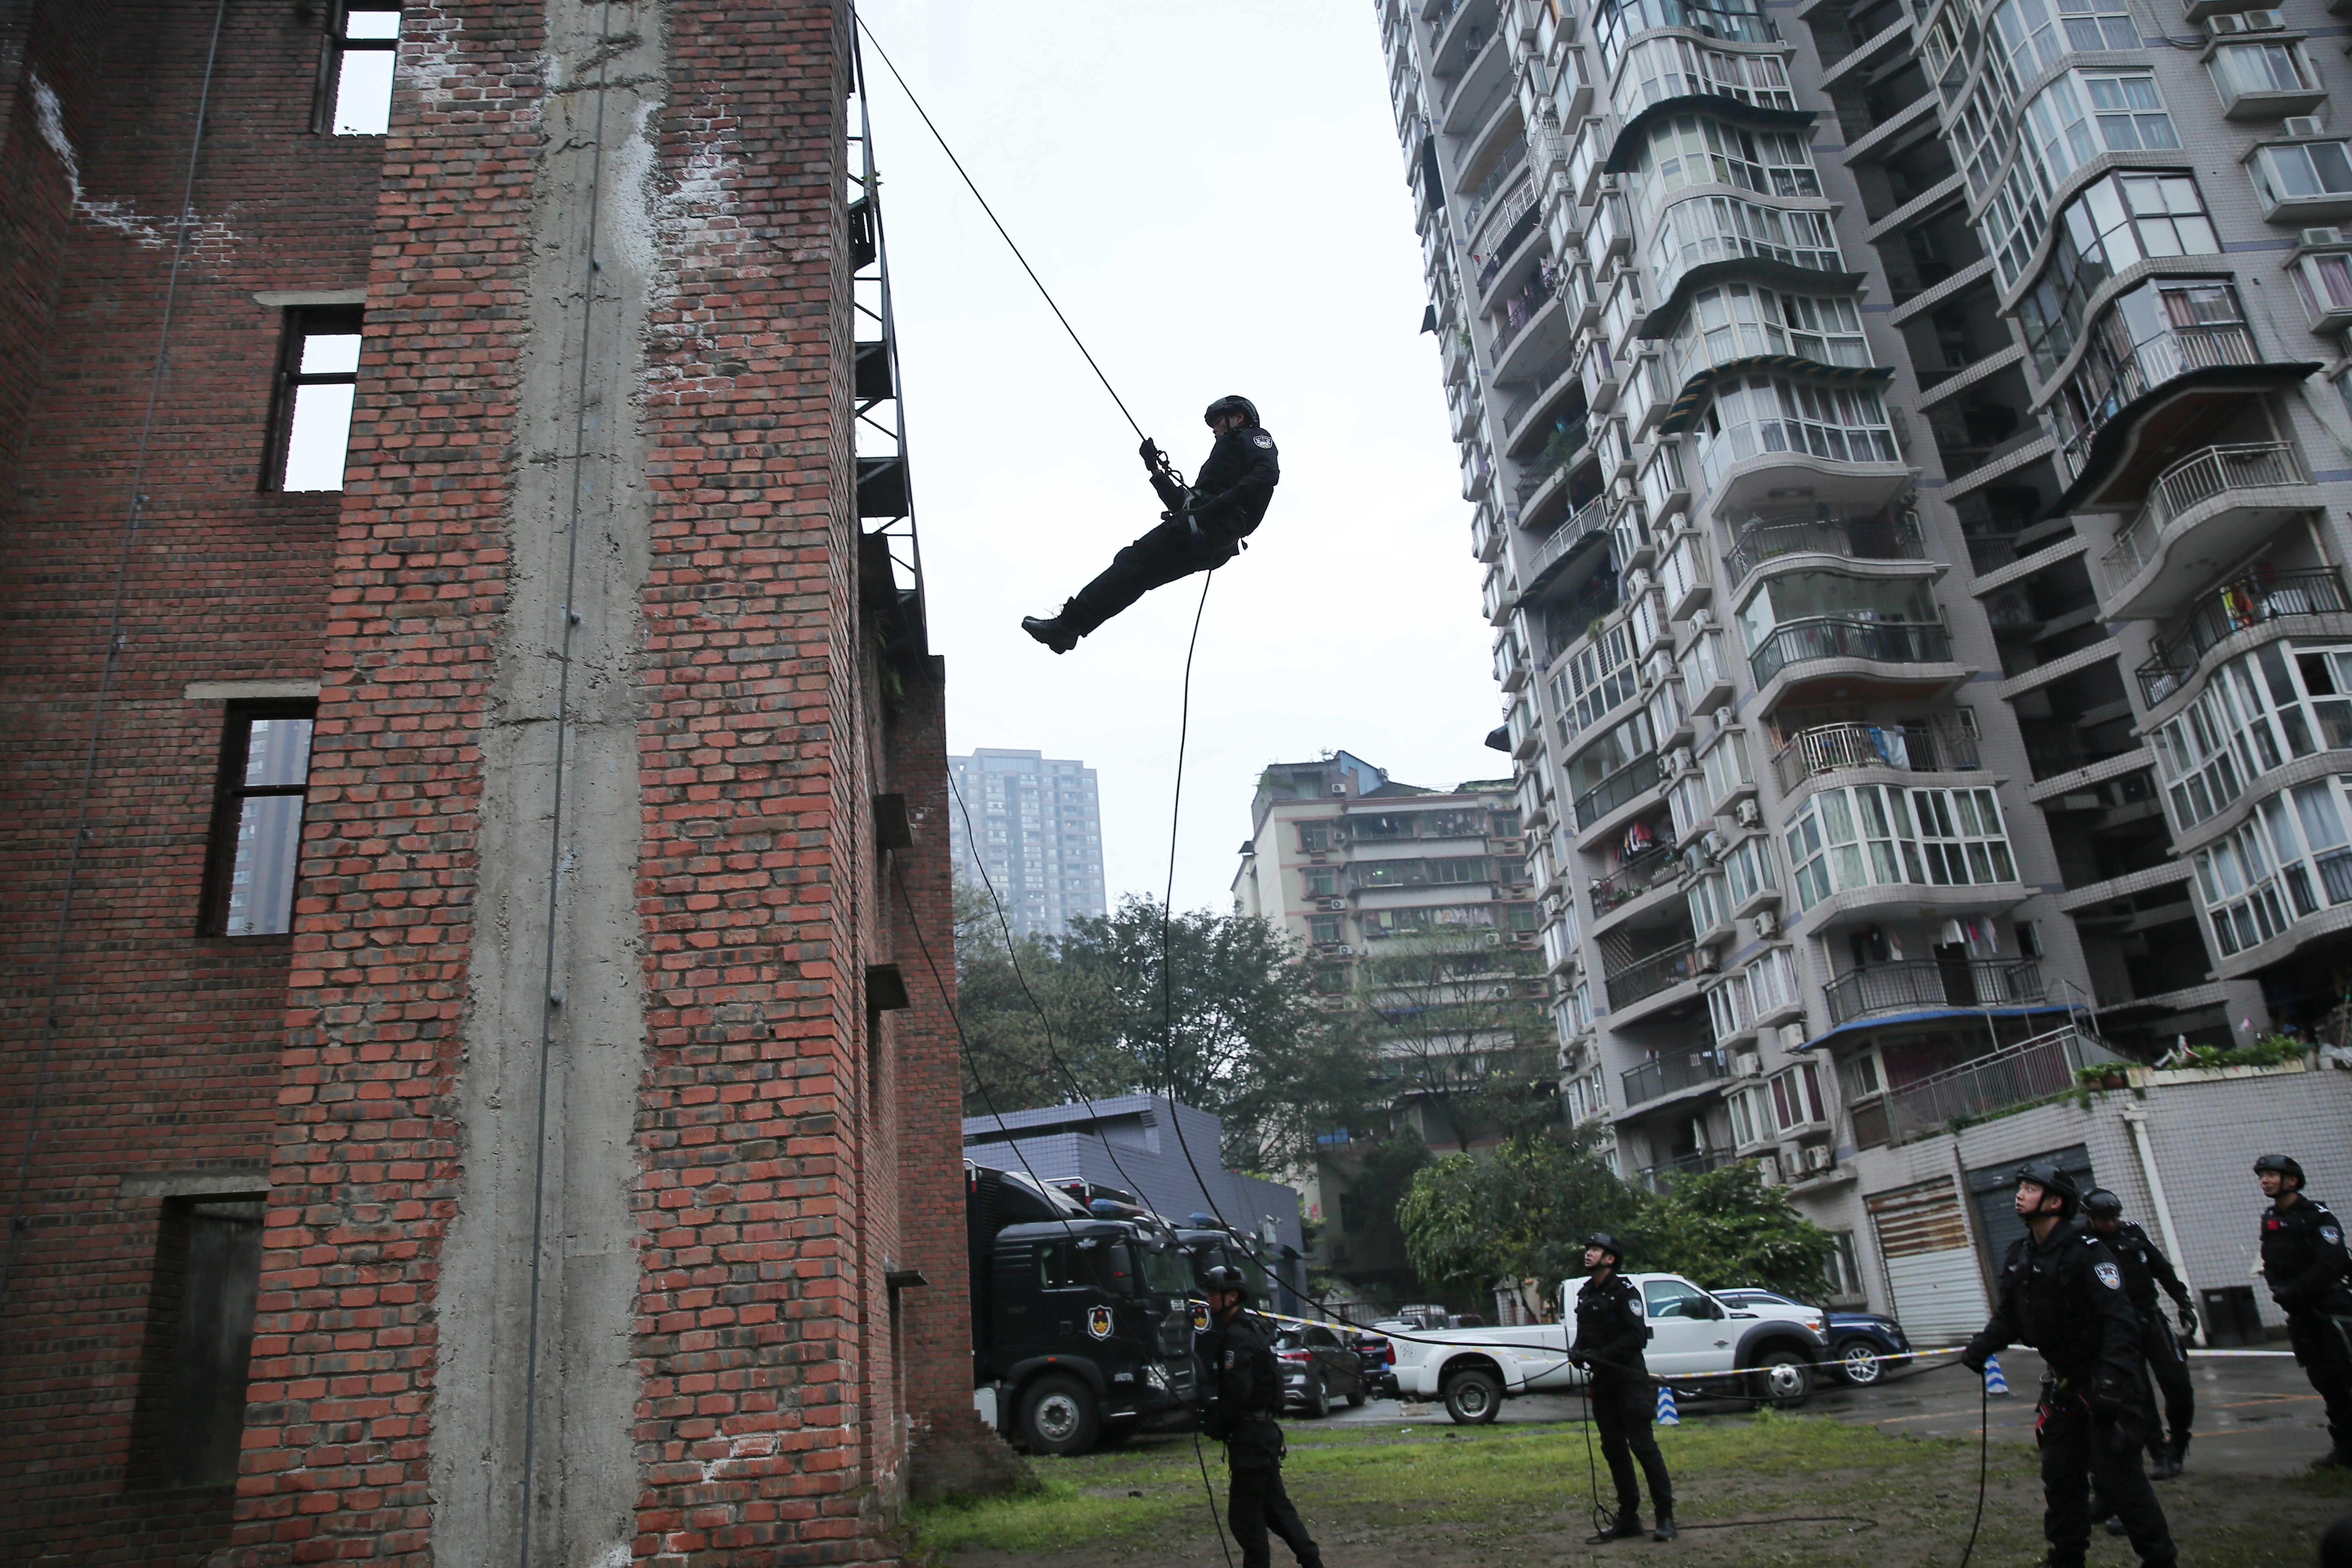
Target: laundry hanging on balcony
[(1893, 748)]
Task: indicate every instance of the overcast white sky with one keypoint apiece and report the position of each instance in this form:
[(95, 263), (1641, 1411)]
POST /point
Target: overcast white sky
[(1214, 193)]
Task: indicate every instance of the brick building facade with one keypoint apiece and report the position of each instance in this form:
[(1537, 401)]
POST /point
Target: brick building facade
[(579, 1144)]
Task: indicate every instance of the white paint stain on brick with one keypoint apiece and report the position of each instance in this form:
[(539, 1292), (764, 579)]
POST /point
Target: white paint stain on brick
[(206, 236)]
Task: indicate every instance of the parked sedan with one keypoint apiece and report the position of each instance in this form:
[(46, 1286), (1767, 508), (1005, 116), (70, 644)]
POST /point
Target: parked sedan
[(1868, 1346), (1316, 1368), (1377, 1358)]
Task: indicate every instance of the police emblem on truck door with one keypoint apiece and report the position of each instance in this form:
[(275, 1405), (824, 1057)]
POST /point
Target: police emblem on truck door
[(1098, 1321)]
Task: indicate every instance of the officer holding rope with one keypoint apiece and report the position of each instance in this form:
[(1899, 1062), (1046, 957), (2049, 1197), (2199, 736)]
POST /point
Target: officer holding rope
[(2061, 1292), (2145, 1268), (1245, 1382), (2310, 1277), (1610, 1334)]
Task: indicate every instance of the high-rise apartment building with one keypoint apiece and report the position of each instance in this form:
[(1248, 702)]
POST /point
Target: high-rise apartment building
[(1902, 444), (1038, 821)]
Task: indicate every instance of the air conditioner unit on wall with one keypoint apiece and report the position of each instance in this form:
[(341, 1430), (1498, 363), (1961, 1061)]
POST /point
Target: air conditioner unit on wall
[(2263, 21), (1707, 961), (1747, 814), (1747, 1064), (2300, 124), (1817, 1156), (1768, 1169), (2222, 27), (1793, 1037), (1768, 923), (2321, 236)]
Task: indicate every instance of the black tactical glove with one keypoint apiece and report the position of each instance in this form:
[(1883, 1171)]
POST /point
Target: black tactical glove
[(2188, 1322), (1974, 1358), (1153, 457), (2112, 1398)]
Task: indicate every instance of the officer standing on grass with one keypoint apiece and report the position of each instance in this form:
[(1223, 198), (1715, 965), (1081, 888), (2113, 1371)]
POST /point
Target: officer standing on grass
[(2145, 1268), (2061, 1292), (1610, 1334), (1245, 1384), (2310, 1277)]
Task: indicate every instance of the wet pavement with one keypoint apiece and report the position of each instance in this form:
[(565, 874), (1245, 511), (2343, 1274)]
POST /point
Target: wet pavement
[(2256, 1414)]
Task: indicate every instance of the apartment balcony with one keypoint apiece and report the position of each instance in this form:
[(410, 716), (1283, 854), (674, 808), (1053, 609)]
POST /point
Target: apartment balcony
[(2036, 1070), (1662, 1175), (2246, 603), (1888, 533), (1835, 636), (1627, 785), (1645, 872), (1909, 748), (1933, 986), (1585, 531), (1658, 973), (2204, 512), (1672, 1074)]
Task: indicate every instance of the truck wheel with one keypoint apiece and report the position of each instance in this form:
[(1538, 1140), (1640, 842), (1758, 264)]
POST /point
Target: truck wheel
[(1473, 1397), (1784, 1376), (1059, 1415)]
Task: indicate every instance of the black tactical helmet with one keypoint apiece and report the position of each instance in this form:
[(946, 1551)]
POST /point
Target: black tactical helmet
[(2051, 1179), (1608, 1244), (2101, 1203), (1223, 1279), (2283, 1165), (1233, 405)]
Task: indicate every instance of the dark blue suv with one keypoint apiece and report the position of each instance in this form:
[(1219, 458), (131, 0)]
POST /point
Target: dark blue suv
[(1866, 1345)]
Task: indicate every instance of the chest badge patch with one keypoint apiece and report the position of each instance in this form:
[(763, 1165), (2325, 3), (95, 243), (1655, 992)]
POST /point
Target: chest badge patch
[(1263, 439), (2330, 1235), (2109, 1275), (1098, 1321)]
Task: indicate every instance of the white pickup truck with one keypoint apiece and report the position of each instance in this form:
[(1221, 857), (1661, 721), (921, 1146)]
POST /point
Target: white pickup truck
[(1475, 1370)]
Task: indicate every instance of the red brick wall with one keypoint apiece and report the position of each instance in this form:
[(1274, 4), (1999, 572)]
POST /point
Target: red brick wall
[(166, 1055)]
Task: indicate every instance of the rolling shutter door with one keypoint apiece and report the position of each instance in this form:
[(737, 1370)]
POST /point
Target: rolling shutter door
[(1931, 1265)]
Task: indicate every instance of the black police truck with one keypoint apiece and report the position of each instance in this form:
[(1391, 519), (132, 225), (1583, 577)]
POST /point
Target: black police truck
[(1081, 1325)]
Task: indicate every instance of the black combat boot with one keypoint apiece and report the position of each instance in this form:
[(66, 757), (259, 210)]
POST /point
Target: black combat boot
[(1665, 1531), (2334, 1459), (1628, 1526), (1055, 634)]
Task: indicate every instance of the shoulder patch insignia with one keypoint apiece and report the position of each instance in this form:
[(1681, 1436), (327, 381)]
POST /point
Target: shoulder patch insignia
[(2330, 1235), (1262, 439), (2109, 1275)]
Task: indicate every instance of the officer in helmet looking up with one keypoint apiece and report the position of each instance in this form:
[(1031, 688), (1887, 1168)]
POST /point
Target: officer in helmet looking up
[(2311, 1280), (1244, 1397), (1201, 531), (2061, 1292), (1610, 1334), (2145, 1268)]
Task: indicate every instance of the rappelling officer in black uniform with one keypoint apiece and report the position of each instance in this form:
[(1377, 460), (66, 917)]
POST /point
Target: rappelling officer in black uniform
[(1610, 1334), (2145, 1268), (1201, 531), (1245, 1384), (2061, 1292), (2310, 1277)]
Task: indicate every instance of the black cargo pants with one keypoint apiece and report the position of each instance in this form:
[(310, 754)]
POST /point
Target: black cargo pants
[(1256, 1500), (2321, 1350), (2080, 1445), (1622, 1410), (2168, 1369), (1166, 554)]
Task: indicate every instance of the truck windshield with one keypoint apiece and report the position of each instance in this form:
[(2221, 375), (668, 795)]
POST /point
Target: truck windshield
[(1167, 1271)]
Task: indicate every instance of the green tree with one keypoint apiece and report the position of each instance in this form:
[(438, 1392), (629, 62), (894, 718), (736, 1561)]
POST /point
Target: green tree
[(1229, 1024), (1458, 1036), (1726, 1227), (1523, 1214)]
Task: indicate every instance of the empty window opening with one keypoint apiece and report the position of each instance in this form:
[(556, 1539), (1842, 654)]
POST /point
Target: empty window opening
[(317, 376), (355, 80), (256, 841), (190, 1419)]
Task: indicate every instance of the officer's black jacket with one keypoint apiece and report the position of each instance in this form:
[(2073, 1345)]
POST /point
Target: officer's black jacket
[(1245, 1378), (1610, 1331), (2064, 1296), (1234, 486), (2145, 1268), (2304, 1258)]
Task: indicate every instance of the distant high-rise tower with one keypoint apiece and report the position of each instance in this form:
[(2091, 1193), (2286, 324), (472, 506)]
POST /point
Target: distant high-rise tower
[(1040, 836)]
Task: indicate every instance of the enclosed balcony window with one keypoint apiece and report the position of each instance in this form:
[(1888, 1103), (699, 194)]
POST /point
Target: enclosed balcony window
[(1749, 870), (2325, 281), (2290, 859), (2029, 36), (2017, 217), (1983, 134), (2312, 179), (1660, 68), (1741, 320), (2084, 114), (2123, 218), (1825, 614), (1753, 415), (1736, 21), (1699, 150), (1875, 835), (1723, 228), (2260, 67), (2258, 710), (2146, 337)]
